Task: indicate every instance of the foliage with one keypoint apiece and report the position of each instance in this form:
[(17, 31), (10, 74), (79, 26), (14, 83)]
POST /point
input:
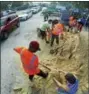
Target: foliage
[(13, 5), (81, 4), (16, 4), (4, 5), (51, 8)]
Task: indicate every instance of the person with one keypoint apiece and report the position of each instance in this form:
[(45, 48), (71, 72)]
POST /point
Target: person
[(45, 30), (72, 22), (8, 20), (46, 16), (57, 29), (80, 23), (71, 86), (79, 26), (30, 61)]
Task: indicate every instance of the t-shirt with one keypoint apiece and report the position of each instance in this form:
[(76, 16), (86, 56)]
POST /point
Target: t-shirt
[(83, 21), (58, 29), (29, 60), (45, 26), (72, 88)]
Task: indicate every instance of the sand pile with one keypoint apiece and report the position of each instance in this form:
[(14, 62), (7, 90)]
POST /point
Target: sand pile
[(71, 55)]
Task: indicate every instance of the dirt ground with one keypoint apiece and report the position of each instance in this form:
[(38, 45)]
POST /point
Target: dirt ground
[(71, 55)]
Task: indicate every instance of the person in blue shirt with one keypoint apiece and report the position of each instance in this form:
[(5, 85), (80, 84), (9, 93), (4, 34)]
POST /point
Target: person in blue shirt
[(71, 86), (82, 21)]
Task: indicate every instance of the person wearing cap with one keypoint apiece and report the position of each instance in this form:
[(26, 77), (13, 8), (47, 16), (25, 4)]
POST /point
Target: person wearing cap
[(71, 86), (30, 61), (57, 30)]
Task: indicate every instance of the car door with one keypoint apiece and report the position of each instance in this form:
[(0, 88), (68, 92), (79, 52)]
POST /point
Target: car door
[(30, 13), (14, 20), (8, 24)]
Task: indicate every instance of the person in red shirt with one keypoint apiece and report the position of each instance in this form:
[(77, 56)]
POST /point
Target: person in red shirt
[(79, 26), (57, 31), (72, 23), (30, 61)]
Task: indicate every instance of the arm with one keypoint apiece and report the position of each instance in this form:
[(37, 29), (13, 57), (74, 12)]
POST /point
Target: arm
[(57, 70), (18, 49), (64, 72), (60, 85)]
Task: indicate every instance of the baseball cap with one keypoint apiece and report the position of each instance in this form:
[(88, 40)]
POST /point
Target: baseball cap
[(35, 45)]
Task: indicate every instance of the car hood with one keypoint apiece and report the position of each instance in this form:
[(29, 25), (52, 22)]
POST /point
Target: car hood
[(33, 9), (23, 15)]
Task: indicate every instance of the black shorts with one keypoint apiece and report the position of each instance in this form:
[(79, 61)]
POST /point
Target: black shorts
[(43, 33)]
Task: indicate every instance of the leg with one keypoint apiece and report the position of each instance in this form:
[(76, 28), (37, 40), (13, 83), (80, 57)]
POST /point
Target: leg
[(42, 74), (44, 18), (47, 17), (52, 40), (42, 34), (47, 37), (57, 39), (31, 77)]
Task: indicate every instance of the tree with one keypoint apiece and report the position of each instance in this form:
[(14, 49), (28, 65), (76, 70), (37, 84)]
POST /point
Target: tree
[(17, 4), (4, 5), (81, 4)]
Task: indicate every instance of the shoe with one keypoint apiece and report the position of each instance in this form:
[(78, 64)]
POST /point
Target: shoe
[(47, 42), (46, 75)]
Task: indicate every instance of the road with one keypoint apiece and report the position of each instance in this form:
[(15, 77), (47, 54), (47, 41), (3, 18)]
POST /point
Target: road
[(10, 61), (20, 37)]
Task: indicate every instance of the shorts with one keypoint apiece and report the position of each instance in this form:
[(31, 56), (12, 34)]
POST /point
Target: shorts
[(43, 33)]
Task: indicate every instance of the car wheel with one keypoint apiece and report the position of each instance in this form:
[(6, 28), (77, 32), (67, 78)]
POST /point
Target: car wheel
[(5, 35)]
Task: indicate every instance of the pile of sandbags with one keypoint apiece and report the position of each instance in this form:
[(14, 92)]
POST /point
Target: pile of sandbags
[(67, 47)]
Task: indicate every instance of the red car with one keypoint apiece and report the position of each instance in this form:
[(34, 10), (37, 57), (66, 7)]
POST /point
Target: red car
[(7, 23)]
